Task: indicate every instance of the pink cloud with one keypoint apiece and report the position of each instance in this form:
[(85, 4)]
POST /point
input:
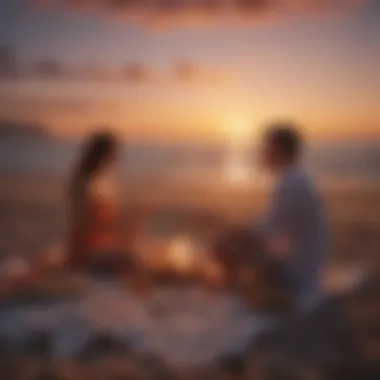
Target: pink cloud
[(157, 13), (137, 72), (188, 71)]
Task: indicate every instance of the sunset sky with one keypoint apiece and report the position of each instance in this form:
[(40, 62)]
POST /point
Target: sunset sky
[(203, 69)]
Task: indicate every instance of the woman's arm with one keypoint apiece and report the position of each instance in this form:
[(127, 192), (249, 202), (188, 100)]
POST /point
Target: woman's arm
[(134, 226), (81, 220)]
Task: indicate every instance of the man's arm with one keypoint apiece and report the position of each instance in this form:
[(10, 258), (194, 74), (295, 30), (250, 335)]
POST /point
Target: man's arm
[(279, 226)]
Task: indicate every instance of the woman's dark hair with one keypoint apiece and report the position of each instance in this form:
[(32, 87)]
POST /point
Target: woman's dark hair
[(97, 149)]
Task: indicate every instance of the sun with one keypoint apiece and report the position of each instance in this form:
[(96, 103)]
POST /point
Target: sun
[(237, 132)]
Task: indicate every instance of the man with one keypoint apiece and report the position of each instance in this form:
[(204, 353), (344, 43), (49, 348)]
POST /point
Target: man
[(295, 228)]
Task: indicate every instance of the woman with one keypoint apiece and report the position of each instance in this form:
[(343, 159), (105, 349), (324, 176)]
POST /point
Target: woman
[(93, 239)]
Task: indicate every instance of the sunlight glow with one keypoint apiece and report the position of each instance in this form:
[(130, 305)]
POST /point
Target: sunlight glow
[(181, 254), (237, 170)]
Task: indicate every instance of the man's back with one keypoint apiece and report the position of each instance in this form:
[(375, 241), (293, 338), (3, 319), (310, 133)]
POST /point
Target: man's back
[(297, 212)]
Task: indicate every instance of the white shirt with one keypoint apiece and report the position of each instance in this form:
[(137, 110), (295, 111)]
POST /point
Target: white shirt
[(297, 212)]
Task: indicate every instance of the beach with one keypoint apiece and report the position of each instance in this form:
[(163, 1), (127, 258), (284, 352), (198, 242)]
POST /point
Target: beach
[(166, 168), (33, 220)]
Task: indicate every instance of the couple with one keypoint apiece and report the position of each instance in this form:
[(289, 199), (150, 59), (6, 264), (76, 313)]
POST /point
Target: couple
[(294, 231)]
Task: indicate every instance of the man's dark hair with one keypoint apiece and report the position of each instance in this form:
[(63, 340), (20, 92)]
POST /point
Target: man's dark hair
[(286, 138)]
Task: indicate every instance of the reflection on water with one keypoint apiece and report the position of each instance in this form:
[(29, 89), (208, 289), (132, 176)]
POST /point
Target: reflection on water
[(186, 160)]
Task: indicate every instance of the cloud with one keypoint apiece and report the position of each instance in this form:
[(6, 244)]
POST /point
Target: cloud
[(11, 105), (49, 68), (93, 72), (137, 72), (188, 71), (67, 114), (163, 13), (52, 69), (8, 67)]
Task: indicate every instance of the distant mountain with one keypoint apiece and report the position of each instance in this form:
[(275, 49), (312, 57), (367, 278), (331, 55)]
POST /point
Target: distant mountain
[(18, 130)]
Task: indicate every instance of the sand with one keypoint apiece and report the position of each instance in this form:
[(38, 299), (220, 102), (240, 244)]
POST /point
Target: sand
[(32, 222)]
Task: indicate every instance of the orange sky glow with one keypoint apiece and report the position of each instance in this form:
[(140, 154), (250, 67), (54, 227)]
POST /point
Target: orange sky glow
[(84, 68)]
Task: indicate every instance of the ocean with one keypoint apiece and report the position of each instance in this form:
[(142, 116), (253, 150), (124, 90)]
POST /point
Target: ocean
[(52, 157)]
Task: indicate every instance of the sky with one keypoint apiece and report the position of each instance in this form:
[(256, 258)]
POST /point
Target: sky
[(192, 69)]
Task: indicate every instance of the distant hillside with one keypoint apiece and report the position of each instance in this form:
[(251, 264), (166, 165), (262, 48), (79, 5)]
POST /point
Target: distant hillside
[(12, 129)]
